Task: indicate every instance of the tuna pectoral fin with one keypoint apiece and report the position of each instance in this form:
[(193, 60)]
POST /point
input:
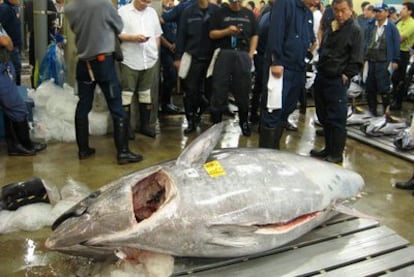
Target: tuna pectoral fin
[(232, 235), (198, 151), (352, 212)]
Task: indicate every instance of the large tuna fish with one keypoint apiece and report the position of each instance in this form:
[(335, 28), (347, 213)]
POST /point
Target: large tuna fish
[(230, 202)]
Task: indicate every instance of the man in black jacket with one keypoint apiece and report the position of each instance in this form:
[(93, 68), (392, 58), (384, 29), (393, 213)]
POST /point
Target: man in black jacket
[(234, 30), (340, 59)]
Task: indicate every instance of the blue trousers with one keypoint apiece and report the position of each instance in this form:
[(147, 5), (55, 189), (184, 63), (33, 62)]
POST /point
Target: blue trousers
[(16, 59), (106, 77), (331, 101), (169, 75), (11, 101), (378, 81), (293, 83)]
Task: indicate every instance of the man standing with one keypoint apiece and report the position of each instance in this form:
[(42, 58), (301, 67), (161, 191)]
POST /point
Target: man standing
[(169, 72), (340, 58), (290, 37), (140, 43), (406, 28), (193, 39), (10, 19), (14, 108), (96, 25), (383, 49), (234, 30)]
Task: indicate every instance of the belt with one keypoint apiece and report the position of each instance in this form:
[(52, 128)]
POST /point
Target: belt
[(237, 49), (96, 58)]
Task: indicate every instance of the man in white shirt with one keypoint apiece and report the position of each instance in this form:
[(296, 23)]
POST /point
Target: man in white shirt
[(140, 43)]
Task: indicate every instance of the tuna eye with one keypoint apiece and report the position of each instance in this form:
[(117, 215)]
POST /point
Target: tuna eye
[(94, 194)]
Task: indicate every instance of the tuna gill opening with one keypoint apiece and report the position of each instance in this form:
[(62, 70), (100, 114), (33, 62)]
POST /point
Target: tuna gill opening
[(149, 194)]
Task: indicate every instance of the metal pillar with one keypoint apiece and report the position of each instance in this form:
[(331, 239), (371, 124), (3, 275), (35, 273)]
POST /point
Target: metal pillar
[(40, 25)]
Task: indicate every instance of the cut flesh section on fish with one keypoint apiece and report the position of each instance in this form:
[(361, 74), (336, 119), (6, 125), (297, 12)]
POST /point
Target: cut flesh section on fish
[(149, 194)]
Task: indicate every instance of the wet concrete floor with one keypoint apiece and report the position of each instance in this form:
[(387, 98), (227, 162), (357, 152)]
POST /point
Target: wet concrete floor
[(23, 253)]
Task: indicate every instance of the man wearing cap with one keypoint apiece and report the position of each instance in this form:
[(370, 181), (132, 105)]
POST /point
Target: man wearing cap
[(393, 15), (235, 31), (406, 29), (382, 42), (290, 37)]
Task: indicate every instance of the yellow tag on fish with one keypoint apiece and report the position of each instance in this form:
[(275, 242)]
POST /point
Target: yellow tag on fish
[(214, 169)]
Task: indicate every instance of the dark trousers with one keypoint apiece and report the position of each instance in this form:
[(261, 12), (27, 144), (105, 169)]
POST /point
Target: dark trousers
[(16, 59), (11, 101), (105, 76), (331, 102), (169, 75), (258, 82), (231, 73), (378, 81), (398, 77), (196, 84), (293, 83)]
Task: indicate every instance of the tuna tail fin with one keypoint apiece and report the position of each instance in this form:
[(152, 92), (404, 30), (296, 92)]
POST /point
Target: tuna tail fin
[(199, 150), (353, 212)]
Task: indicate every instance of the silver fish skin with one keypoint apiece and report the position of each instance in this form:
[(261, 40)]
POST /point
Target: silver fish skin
[(246, 201)]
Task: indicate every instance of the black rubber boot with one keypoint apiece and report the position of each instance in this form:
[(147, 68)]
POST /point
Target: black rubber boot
[(244, 125), (190, 116), (124, 156), (14, 146), (267, 138), (82, 138), (397, 94), (385, 101), (145, 114), (337, 139), (322, 154), (303, 101), (409, 185), (22, 132), (270, 137), (131, 133), (191, 125)]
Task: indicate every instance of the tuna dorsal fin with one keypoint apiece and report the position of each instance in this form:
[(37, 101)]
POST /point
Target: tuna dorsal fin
[(199, 150)]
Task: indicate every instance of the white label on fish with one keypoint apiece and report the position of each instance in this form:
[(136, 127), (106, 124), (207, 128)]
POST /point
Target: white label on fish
[(191, 173)]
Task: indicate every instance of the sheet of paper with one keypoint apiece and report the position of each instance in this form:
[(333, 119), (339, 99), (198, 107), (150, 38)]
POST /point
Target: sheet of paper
[(274, 92), (185, 64), (212, 63)]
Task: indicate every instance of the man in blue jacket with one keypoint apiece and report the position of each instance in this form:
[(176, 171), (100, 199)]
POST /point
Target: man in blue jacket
[(382, 53), (193, 39), (10, 19), (14, 108), (290, 37)]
